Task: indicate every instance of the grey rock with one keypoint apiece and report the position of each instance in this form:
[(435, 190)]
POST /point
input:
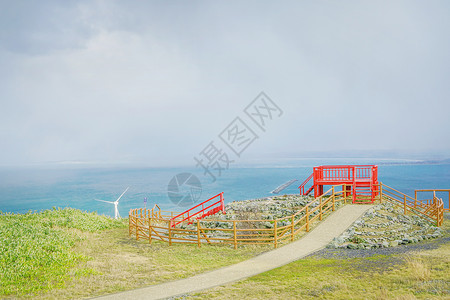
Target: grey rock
[(393, 243), (352, 246)]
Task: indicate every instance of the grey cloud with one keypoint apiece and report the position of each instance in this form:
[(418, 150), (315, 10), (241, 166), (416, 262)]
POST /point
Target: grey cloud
[(154, 81)]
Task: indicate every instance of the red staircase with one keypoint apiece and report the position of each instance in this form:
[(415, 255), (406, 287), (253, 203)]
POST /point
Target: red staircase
[(302, 186), (362, 181), (362, 192), (207, 208)]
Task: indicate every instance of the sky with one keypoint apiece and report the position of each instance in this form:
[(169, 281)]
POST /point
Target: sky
[(155, 82)]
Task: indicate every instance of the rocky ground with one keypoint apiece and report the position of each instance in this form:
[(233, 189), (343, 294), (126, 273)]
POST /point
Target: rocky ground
[(387, 258), (265, 210), (385, 226)]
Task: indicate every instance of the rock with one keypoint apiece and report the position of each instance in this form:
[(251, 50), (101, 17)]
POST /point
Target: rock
[(393, 243), (333, 245), (352, 246), (341, 239), (385, 244), (268, 225)]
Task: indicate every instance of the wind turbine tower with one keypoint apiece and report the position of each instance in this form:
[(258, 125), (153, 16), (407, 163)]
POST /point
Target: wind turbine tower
[(116, 203)]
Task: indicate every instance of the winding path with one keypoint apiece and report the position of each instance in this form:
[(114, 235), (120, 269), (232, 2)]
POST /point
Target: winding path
[(316, 239)]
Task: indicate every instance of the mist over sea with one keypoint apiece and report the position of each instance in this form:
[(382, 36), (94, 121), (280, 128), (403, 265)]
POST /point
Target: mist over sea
[(39, 188)]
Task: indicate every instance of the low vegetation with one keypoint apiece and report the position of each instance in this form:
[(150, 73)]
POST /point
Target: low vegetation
[(68, 253), (36, 249), (420, 274), (356, 278)]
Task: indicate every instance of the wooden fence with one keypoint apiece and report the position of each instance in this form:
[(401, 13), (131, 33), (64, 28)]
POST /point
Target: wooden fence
[(416, 192), (431, 210), (155, 224)]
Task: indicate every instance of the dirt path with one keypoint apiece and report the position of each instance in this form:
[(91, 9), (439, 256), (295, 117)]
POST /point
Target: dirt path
[(318, 238)]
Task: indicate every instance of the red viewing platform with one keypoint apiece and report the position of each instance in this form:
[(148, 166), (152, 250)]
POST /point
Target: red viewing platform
[(361, 181)]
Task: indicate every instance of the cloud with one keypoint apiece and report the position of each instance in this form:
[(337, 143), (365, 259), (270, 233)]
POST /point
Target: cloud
[(154, 82)]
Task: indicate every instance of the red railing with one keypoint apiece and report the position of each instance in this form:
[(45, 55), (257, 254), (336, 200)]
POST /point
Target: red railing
[(345, 173), (302, 186), (362, 178), (333, 173), (366, 172), (204, 209)]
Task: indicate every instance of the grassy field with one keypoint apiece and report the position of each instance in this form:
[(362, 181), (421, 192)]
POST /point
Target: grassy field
[(67, 253), (423, 274), (36, 249)]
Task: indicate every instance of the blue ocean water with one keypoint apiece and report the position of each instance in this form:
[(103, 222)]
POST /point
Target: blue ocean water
[(35, 189)]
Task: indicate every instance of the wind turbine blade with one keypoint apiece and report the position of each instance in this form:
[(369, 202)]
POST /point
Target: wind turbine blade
[(104, 201), (122, 195)]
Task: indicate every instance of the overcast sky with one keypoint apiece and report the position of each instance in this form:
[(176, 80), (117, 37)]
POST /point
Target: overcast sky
[(154, 82)]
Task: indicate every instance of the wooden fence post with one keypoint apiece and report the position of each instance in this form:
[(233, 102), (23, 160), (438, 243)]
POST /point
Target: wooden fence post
[(334, 198), (292, 228), (234, 234), (137, 228), (307, 219), (198, 233), (381, 193), (438, 214), (150, 230), (170, 233), (404, 204), (344, 192), (275, 235), (415, 199), (320, 207)]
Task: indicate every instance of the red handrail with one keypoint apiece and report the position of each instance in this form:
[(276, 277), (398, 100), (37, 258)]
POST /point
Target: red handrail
[(209, 210), (358, 176), (302, 186)]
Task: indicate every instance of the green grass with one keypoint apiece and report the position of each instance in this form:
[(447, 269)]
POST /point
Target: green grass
[(67, 253), (121, 263), (36, 249), (342, 279), (423, 274)]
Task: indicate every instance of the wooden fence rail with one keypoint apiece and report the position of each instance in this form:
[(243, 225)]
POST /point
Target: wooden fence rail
[(431, 210), (155, 224)]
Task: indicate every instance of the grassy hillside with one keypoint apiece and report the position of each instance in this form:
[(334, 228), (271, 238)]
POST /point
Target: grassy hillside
[(68, 253), (414, 271), (36, 249)]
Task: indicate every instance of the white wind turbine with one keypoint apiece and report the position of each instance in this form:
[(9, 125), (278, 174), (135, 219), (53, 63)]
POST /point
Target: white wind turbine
[(116, 203)]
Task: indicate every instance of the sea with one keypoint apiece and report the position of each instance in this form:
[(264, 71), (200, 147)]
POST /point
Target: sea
[(33, 189)]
